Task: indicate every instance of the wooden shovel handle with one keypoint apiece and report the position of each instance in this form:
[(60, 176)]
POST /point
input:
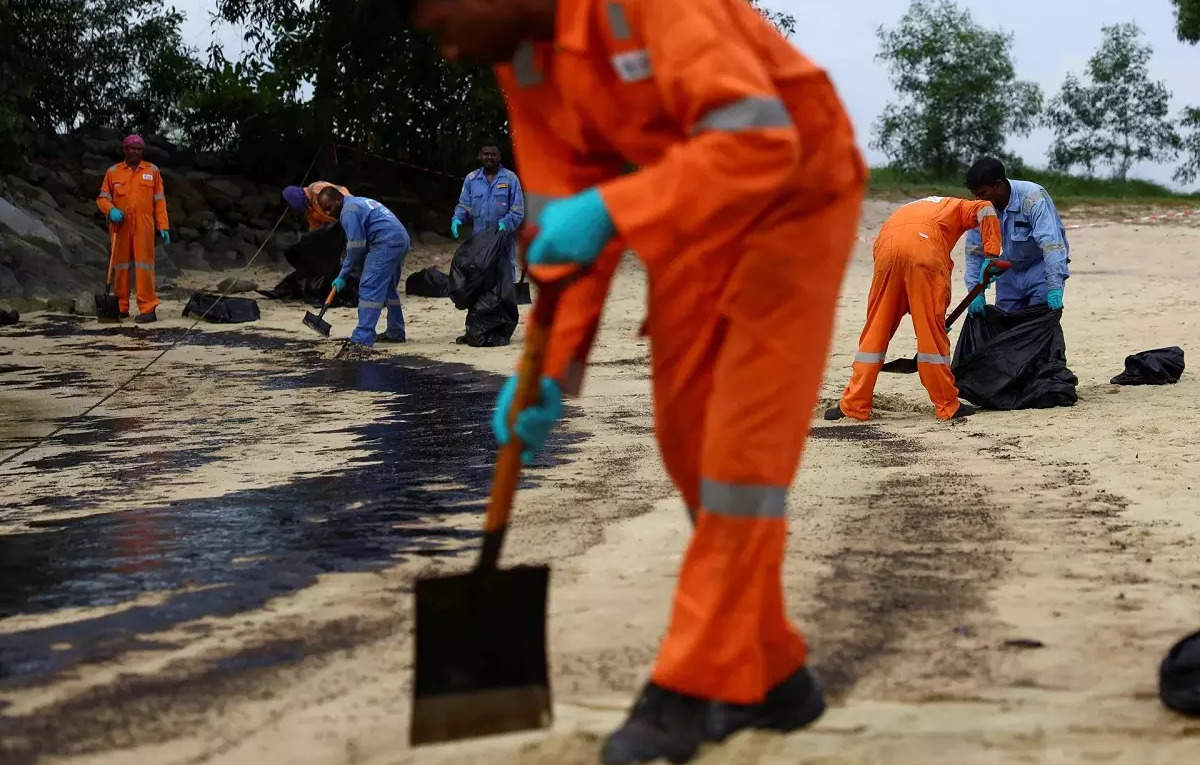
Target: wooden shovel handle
[(112, 254), (999, 265)]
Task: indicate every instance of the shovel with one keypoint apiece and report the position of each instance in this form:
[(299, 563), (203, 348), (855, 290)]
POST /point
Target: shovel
[(481, 636), (995, 269), (522, 288), (107, 308), (316, 321)]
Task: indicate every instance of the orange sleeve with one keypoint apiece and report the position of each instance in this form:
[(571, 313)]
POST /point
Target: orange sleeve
[(105, 198), (738, 145), (989, 228), (161, 222)]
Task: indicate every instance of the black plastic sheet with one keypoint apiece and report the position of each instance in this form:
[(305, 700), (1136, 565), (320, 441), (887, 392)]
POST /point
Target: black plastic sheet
[(428, 282), (1162, 366), (1014, 360), (481, 283), (221, 310)]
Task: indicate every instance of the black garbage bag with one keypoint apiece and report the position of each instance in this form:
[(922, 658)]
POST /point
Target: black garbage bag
[(428, 282), (8, 317), (1162, 366), (1179, 677), (317, 258), (481, 283), (314, 289), (221, 310), (1014, 360)]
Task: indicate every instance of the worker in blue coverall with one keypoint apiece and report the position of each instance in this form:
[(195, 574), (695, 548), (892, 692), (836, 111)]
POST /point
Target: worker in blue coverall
[(373, 233), (1035, 241), (491, 196)]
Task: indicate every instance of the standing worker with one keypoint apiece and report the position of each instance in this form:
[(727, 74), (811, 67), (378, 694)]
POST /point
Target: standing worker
[(303, 200), (373, 233), (131, 197), (1035, 241), (912, 275), (491, 196), (744, 207)]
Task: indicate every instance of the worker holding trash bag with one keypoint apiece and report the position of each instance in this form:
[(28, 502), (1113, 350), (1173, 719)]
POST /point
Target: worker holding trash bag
[(912, 276), (378, 241), (491, 198), (744, 207)]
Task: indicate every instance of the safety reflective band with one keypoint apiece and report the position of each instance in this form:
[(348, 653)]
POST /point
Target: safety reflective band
[(121, 267), (744, 114), (517, 209), (369, 304), (862, 357), (1053, 247), (461, 206), (617, 22), (143, 266), (394, 302), (105, 195), (986, 212), (159, 196), (743, 500), (933, 358), (535, 204), (524, 67), (356, 243)]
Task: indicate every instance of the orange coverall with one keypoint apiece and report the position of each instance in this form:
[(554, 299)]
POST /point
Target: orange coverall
[(744, 209), (912, 275), (138, 193), (315, 216)]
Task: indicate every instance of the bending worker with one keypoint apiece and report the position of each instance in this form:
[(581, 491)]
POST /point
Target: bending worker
[(372, 233), (131, 197), (303, 200), (1035, 241), (743, 207), (491, 196), (912, 275)]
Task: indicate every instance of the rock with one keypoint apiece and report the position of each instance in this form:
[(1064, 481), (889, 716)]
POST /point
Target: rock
[(10, 287), (433, 239), (164, 263), (191, 257), (223, 259), (85, 303), (38, 174), (207, 219), (247, 234), (284, 239), (155, 154), (227, 187), (43, 275), (96, 163), (61, 182), (30, 192), (100, 146), (232, 286), (60, 305), (187, 234), (25, 225), (246, 250)]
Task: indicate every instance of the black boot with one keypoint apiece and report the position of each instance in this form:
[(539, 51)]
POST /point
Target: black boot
[(834, 413), (662, 724), (789, 706), (386, 338), (123, 315), (964, 410), (145, 318)]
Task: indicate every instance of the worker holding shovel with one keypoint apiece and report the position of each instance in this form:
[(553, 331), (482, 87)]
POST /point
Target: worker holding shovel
[(912, 275), (744, 209)]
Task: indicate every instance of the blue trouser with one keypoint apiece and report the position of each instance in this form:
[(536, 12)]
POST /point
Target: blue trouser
[(376, 289), (1022, 286)]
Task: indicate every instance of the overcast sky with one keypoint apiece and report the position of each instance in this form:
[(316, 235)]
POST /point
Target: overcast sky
[(1053, 37)]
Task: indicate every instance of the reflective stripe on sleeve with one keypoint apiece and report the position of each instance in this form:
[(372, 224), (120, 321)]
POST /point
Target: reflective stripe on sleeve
[(160, 196), (933, 358), (356, 243), (618, 24), (862, 357), (986, 212), (524, 67), (105, 195), (744, 114), (743, 500)]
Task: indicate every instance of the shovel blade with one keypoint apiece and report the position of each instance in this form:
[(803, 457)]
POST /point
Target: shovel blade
[(316, 323), (901, 366), (481, 655), (107, 309), (523, 295)]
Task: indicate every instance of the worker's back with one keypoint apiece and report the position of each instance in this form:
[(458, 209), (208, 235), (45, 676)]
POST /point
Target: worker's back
[(939, 220)]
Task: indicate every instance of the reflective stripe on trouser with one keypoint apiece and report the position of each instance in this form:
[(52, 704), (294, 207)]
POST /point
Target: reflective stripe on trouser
[(134, 251), (376, 290), (910, 277), (734, 393)]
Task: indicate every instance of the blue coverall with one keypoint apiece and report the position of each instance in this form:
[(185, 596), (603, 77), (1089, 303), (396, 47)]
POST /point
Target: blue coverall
[(373, 232), (487, 204), (1034, 241)]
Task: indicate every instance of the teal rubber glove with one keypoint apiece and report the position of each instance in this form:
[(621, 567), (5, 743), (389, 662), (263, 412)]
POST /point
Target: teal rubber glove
[(983, 270), (455, 225), (573, 230), (339, 284), (533, 423), (1054, 300), (501, 227), (978, 306), (115, 215), (166, 236)]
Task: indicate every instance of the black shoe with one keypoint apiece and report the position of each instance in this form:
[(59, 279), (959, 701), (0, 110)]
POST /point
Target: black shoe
[(834, 413), (964, 410), (386, 338), (789, 706), (123, 315), (662, 724), (461, 339), (145, 318)]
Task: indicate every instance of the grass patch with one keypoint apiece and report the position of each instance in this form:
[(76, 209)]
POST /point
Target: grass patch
[(1067, 190)]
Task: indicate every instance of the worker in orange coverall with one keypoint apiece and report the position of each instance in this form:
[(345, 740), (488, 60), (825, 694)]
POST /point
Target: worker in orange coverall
[(131, 197), (912, 275), (743, 207), (303, 199)]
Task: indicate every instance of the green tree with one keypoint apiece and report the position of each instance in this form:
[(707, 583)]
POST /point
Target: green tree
[(1116, 115), (784, 22), (959, 94), (1189, 122), (1187, 20)]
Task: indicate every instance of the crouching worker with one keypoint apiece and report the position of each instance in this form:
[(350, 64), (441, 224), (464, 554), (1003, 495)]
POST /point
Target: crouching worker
[(373, 232), (912, 275)]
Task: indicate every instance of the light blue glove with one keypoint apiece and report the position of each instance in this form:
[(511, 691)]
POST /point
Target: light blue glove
[(573, 230), (166, 236), (533, 423), (983, 270), (115, 215), (339, 284), (978, 306), (455, 225), (501, 227), (1054, 300)]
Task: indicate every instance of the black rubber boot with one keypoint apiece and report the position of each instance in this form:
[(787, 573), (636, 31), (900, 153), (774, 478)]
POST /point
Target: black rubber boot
[(964, 410), (789, 706), (123, 315), (834, 413), (386, 338), (145, 318), (662, 724)]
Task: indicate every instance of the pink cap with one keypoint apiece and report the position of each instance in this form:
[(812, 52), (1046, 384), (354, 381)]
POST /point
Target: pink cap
[(133, 140)]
